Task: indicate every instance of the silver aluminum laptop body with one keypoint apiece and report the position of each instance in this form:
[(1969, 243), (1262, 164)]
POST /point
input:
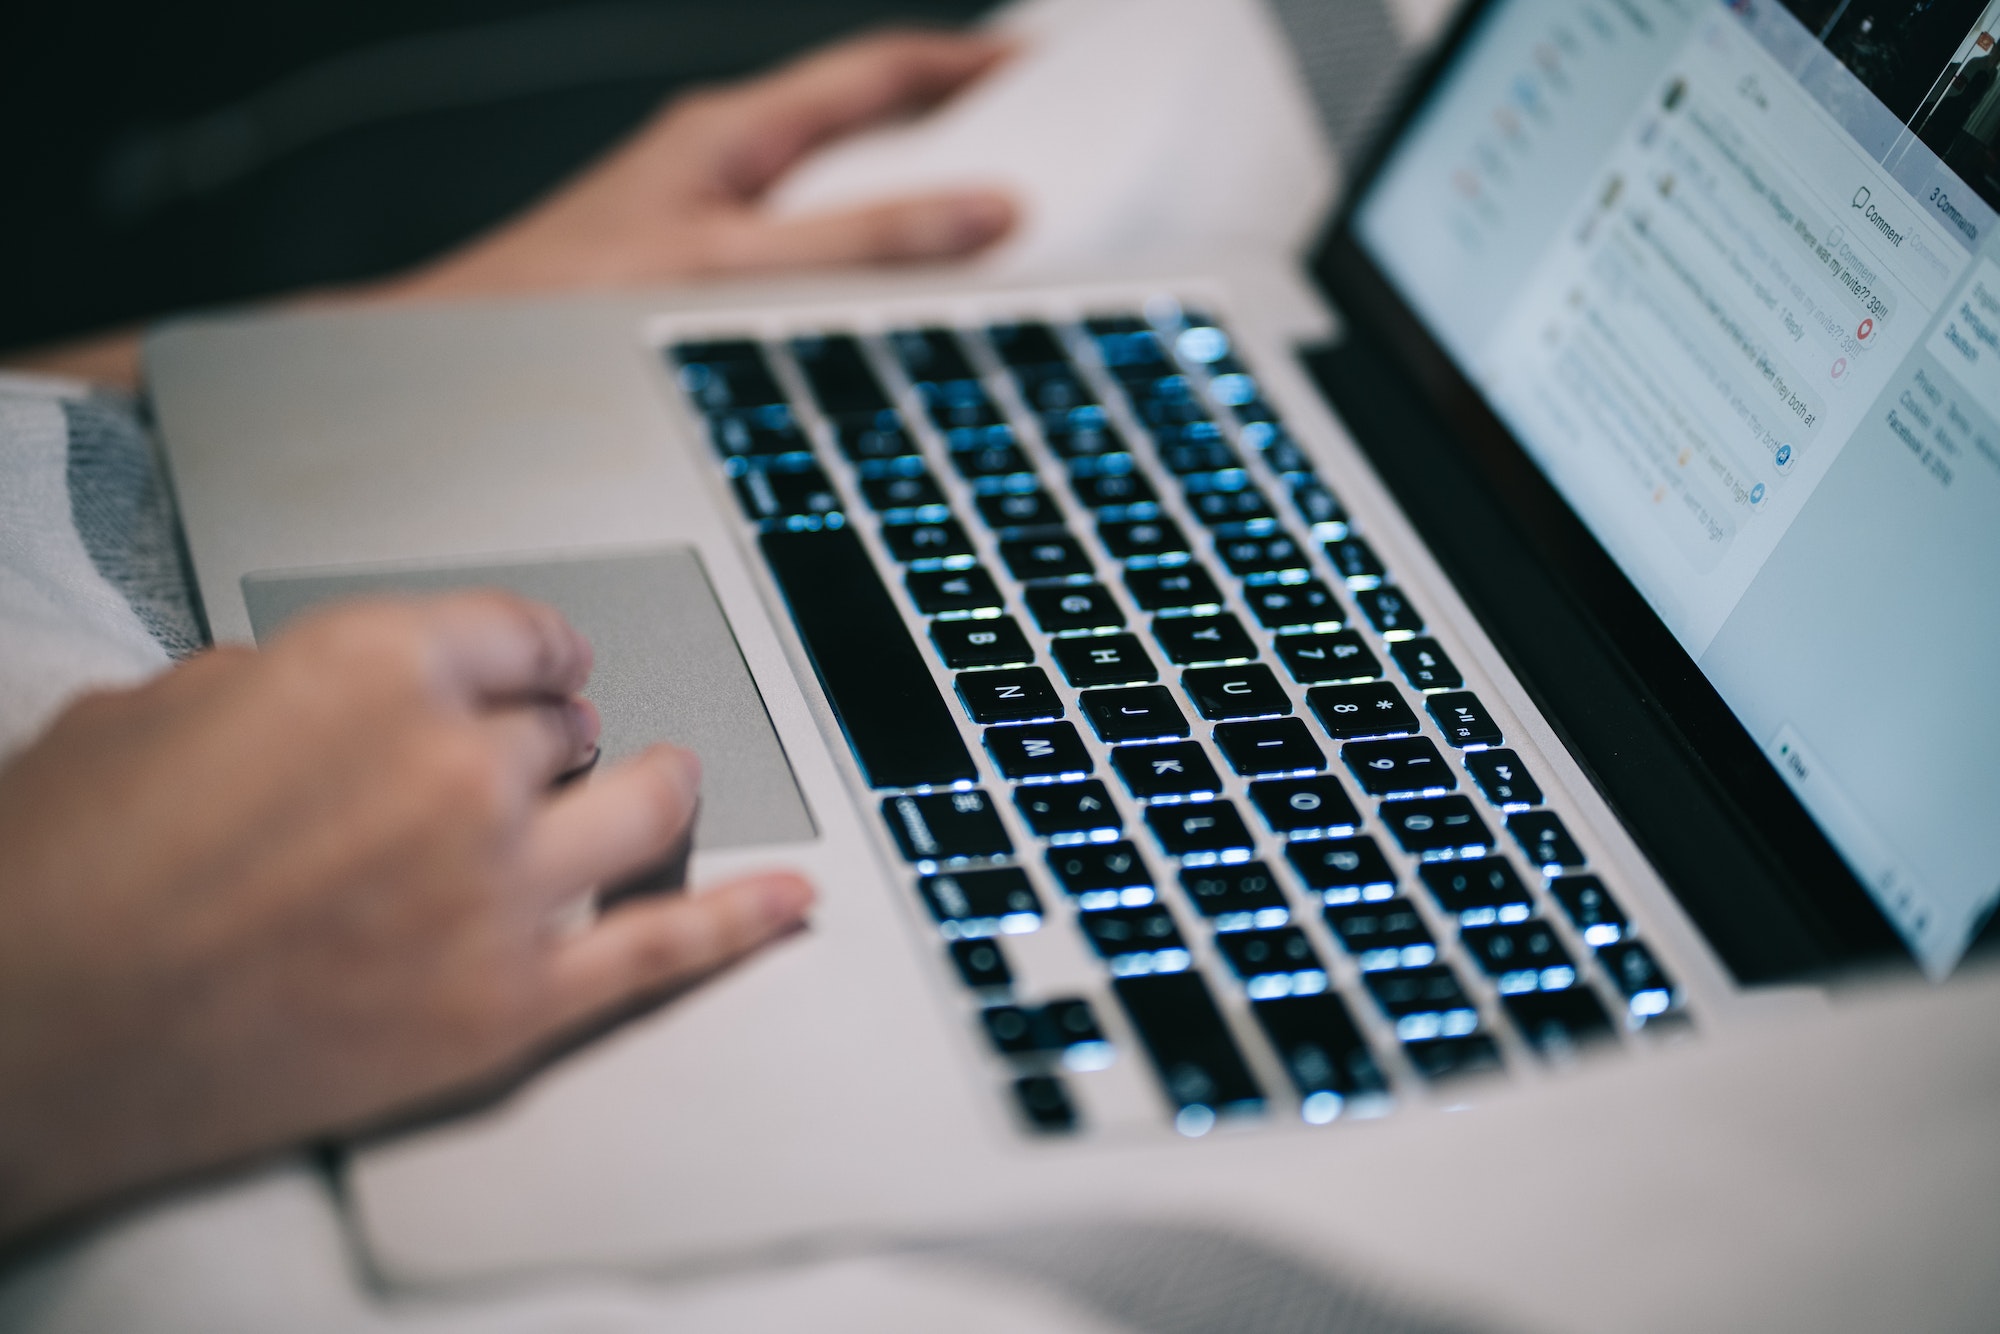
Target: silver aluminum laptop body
[(852, 1088)]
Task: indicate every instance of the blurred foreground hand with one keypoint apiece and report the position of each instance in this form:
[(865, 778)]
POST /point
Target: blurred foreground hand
[(268, 897), (680, 198)]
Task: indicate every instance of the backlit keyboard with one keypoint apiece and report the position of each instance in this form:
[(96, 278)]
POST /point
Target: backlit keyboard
[(1118, 661)]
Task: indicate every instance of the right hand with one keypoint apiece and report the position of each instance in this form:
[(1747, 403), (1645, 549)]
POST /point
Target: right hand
[(268, 897)]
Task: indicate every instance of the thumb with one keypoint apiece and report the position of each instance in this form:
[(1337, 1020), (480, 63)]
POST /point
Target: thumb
[(926, 227)]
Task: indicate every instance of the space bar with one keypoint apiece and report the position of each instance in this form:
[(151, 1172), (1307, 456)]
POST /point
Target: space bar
[(881, 689)]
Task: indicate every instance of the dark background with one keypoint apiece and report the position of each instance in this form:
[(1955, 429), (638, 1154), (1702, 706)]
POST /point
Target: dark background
[(161, 156)]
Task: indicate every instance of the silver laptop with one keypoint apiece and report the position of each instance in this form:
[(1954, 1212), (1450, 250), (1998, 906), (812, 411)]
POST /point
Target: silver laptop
[(1228, 709)]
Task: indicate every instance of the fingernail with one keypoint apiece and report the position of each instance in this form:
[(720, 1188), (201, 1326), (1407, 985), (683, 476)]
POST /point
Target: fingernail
[(588, 724), (784, 899), (978, 219), (684, 762)]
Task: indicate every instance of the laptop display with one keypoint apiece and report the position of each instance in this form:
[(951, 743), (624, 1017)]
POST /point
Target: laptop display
[(1730, 276)]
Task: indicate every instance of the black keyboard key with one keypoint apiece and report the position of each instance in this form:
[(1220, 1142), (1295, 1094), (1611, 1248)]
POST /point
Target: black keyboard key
[(1125, 494), (911, 496), (1056, 557), (874, 675), (1139, 713), (1200, 832), (982, 452), (1104, 660), (1521, 957), (1596, 915), (1384, 935), (1068, 812), (1195, 449), (1103, 875), (842, 380), (1404, 767), (1639, 978), (1437, 827), (927, 544), (930, 354), (751, 439), (1082, 439), (1173, 588), (1007, 510), (1265, 557), (1543, 837), (1305, 807), (1053, 391), (980, 964), (1389, 612), (1317, 505), (874, 439), (1425, 664), (989, 641), (1061, 609), (962, 592), (958, 405), (1374, 709), (1199, 640), (1136, 941), (1503, 778), (971, 905), (1326, 658), (1190, 1046), (717, 349), (1038, 751), (1426, 1003), (727, 378), (1176, 769), (1244, 505), (1463, 719), (1246, 691), (1478, 892), (1356, 561), (1011, 695), (768, 495), (1293, 606), (1028, 343), (1144, 541), (947, 826), (1045, 1104), (1558, 1023), (1454, 1058), (1323, 1052), (1343, 870), (1269, 746), (1272, 963), (1065, 1026), (1236, 897)]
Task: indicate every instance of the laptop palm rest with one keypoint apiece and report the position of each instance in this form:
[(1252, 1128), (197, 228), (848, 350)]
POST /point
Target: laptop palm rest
[(667, 667)]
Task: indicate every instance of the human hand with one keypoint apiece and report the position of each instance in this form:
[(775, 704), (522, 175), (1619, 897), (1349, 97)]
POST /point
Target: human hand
[(273, 896), (679, 199)]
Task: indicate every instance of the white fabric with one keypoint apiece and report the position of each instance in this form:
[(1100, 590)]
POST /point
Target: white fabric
[(64, 629)]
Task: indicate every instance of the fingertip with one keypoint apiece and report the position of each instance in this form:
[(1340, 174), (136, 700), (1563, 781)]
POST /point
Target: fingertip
[(677, 762), (783, 898), (983, 217), (949, 226)]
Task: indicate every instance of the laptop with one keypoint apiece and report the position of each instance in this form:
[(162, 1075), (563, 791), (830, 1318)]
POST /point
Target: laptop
[(1239, 718)]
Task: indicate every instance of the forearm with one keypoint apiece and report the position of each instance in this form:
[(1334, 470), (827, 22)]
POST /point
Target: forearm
[(110, 359)]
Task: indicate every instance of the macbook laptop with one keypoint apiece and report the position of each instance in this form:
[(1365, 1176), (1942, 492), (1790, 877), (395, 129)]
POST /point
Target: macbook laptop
[(1227, 710)]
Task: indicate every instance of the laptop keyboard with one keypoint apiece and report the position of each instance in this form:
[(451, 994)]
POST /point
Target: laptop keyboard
[(1081, 574)]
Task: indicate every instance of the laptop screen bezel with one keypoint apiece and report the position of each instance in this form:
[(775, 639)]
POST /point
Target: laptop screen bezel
[(1812, 878)]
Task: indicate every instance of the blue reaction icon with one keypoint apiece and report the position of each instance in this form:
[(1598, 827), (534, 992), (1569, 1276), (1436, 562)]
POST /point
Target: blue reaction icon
[(1784, 455), (1757, 494)]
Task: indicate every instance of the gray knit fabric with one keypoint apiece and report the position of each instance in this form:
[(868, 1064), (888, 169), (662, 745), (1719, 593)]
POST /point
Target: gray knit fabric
[(123, 512), (1353, 59)]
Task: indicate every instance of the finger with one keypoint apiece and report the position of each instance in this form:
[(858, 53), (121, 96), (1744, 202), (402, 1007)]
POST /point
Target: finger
[(614, 826), (933, 227), (774, 121), (650, 946), (497, 645), (542, 740)]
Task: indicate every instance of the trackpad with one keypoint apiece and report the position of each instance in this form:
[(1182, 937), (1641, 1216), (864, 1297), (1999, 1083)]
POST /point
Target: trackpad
[(668, 667)]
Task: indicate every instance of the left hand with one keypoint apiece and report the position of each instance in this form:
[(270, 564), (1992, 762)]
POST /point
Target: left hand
[(680, 198)]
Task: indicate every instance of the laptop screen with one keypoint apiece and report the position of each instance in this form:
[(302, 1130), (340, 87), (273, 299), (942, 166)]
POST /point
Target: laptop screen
[(1731, 276)]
